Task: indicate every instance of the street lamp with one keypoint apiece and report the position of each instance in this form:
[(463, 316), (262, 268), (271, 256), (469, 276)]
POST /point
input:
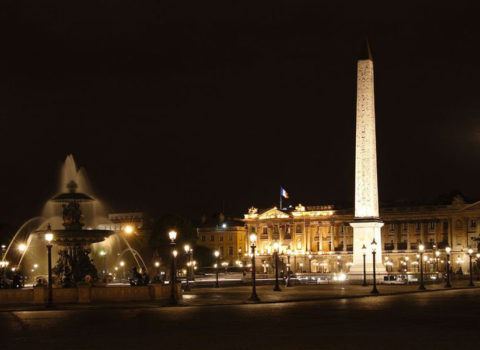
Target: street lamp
[(364, 251), (122, 265), (173, 269), (448, 284), (310, 263), (186, 247), (288, 284), (275, 254), (470, 252), (157, 268), (478, 267), (217, 254), (254, 297), (437, 254), (49, 239), (421, 248), (374, 253)]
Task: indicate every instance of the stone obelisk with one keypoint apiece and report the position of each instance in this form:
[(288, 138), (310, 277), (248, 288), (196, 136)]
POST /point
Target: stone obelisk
[(367, 224)]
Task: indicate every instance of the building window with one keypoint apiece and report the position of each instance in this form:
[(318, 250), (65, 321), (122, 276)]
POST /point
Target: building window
[(342, 229), (212, 238), (240, 251), (221, 251), (221, 238), (230, 251), (203, 238), (252, 229), (418, 226), (276, 234), (473, 223), (432, 225), (392, 227), (405, 227), (299, 229)]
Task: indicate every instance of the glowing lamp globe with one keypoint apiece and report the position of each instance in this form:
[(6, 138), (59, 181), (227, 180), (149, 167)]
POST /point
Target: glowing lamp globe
[(49, 237), (187, 248), (421, 248), (374, 245), (470, 251), (253, 238), (128, 229), (216, 253), (364, 249), (172, 235), (448, 250)]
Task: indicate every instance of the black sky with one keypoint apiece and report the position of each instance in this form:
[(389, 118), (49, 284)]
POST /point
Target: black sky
[(194, 106)]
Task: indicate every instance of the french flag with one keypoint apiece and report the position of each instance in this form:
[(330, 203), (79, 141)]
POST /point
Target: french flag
[(283, 193)]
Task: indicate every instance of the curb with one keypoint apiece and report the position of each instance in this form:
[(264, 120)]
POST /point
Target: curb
[(246, 302)]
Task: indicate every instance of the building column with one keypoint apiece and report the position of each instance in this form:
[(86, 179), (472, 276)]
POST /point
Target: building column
[(408, 238)]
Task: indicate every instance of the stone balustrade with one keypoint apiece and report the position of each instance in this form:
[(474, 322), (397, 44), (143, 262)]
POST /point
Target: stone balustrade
[(85, 294)]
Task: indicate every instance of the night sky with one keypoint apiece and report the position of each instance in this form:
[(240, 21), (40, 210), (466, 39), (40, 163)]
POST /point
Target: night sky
[(194, 107)]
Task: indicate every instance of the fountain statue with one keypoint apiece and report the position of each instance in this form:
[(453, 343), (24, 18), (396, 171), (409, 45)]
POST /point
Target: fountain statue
[(74, 264)]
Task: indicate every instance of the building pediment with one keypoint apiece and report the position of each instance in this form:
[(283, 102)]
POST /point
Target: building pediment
[(273, 213), (473, 206)]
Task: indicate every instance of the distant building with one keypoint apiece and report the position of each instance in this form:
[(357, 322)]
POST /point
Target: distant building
[(227, 235), (324, 233), (120, 221)]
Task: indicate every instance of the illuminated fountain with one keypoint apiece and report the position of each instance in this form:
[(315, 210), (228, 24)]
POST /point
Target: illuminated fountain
[(80, 226), (74, 264)]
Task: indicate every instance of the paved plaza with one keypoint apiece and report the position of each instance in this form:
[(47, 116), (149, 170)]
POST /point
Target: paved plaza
[(442, 319)]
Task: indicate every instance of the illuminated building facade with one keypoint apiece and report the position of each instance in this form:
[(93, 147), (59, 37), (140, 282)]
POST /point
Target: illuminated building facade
[(325, 234), (225, 235), (120, 221)]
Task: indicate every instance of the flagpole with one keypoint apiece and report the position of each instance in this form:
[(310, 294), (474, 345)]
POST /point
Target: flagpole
[(280, 197)]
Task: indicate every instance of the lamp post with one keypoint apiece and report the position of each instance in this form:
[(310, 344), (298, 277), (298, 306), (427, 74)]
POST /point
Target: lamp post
[(288, 284), (310, 263), (217, 254), (103, 254), (275, 254), (157, 268), (49, 239), (478, 266), (421, 248), (254, 297), (374, 253), (470, 252), (173, 269), (364, 251), (122, 265), (186, 247), (437, 255), (448, 284)]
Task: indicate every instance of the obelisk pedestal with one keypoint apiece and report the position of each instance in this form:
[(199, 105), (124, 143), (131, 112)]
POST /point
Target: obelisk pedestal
[(367, 224)]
